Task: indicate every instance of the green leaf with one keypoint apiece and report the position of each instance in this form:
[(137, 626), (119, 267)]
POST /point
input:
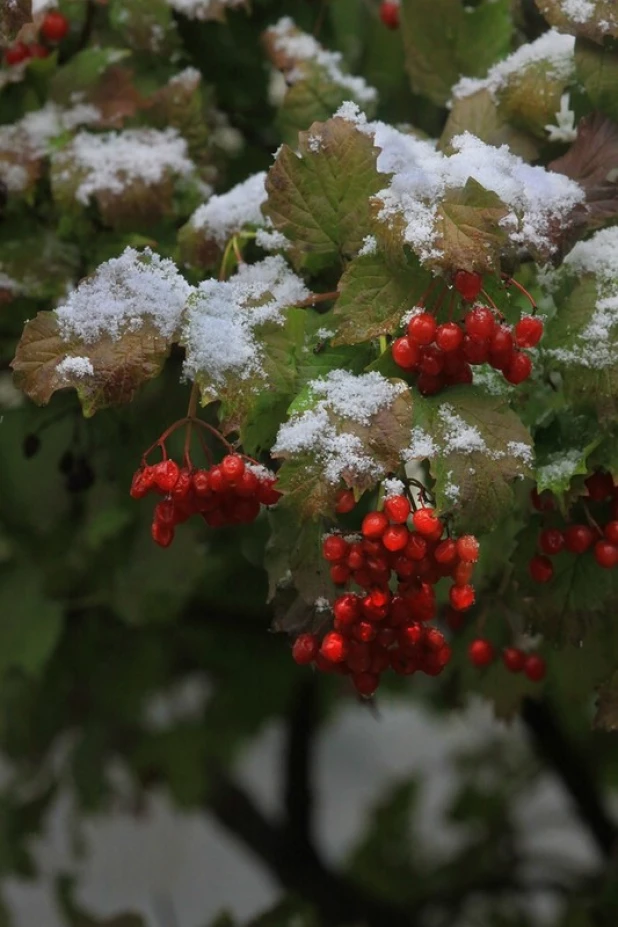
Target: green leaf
[(597, 70), (598, 22), (374, 294), (40, 265), (119, 366), (31, 623), (319, 196), (443, 39), (84, 73), (294, 554), (530, 97), (555, 470), (477, 446), (313, 99), (146, 25), (469, 228), (479, 114)]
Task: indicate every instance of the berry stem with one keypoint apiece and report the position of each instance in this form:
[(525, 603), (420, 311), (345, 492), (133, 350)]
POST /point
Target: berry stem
[(191, 412), (425, 296), (591, 521), (383, 344), (486, 296), (160, 442), (317, 298), (511, 280)]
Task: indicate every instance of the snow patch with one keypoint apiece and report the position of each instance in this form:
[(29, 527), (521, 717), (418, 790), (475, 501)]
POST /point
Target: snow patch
[(225, 214), (75, 367)]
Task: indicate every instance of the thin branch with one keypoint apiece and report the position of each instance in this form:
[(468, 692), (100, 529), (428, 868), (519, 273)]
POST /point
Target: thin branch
[(570, 766), (298, 793)]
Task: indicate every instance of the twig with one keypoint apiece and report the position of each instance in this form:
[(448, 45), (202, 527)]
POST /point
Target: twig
[(298, 793)]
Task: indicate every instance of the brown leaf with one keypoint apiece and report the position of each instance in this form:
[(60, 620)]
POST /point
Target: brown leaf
[(592, 161), (13, 15), (120, 366), (598, 25), (469, 230), (116, 97)]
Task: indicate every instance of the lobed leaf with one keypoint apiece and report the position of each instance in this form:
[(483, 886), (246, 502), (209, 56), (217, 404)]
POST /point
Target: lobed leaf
[(596, 20), (468, 228)]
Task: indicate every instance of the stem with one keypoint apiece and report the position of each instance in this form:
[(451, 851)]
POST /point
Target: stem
[(511, 280), (317, 298), (591, 521), (237, 252), (191, 411), (486, 296), (425, 296), (383, 344), (160, 442)]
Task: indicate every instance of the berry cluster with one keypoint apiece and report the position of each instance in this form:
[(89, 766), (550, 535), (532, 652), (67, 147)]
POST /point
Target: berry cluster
[(482, 653), (443, 354), (389, 14), (377, 629), (229, 493), (53, 29), (597, 532)]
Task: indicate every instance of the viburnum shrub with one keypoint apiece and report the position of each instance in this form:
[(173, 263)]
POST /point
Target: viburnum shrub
[(377, 338)]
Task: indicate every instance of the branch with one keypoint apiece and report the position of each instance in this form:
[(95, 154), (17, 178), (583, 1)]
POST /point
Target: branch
[(301, 728), (571, 768), (296, 866)]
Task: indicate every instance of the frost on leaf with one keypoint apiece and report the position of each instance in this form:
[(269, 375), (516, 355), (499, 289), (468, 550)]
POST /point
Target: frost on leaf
[(13, 15), (210, 227), (436, 56), (238, 336), (476, 447), (315, 81), (181, 104), (590, 19), (374, 294), (537, 203), (145, 25), (592, 161), (128, 174), (554, 471), (351, 429), (528, 85), (206, 9), (112, 333), (582, 338), (319, 196)]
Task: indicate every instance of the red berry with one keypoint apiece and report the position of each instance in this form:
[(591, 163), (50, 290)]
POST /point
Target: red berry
[(232, 467), (339, 573), (16, 53), (480, 324), (395, 537), (481, 652), (201, 483), (535, 667), (449, 337), (334, 647), (163, 535), (606, 554), (346, 609), (513, 659), (468, 548), (247, 485), (165, 475), (422, 328), (475, 352), (611, 531), (366, 683), (55, 26), (502, 341), (578, 538), (427, 522), (36, 50), (542, 502), (397, 509), (345, 502), (266, 492), (461, 597), (374, 525), (462, 573), (541, 569), (528, 332), (335, 548), (142, 482), (429, 385), (432, 360), (405, 353), (519, 369), (600, 486), (416, 548), (445, 552), (551, 541), (468, 284), (165, 512), (305, 649)]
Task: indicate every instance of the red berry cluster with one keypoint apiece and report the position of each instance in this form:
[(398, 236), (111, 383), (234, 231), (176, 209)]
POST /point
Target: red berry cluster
[(481, 653), (598, 534), (229, 493), (54, 28), (444, 354), (377, 629), (389, 14)]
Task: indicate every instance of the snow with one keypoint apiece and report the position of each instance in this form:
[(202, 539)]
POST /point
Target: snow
[(393, 487), (553, 50), (421, 446), (219, 331), (112, 161), (300, 46), (341, 454), (594, 346), (271, 240), (369, 247), (559, 466), (39, 6), (537, 199), (225, 214), (75, 367), (564, 130), (201, 9), (457, 435), (579, 11), (122, 294)]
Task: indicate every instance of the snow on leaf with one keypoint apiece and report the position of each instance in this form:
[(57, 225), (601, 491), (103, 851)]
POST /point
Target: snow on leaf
[(436, 56), (476, 447), (374, 295), (109, 374), (596, 20), (592, 161), (320, 199), (145, 25), (555, 471), (206, 9), (478, 113), (350, 429), (469, 228)]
